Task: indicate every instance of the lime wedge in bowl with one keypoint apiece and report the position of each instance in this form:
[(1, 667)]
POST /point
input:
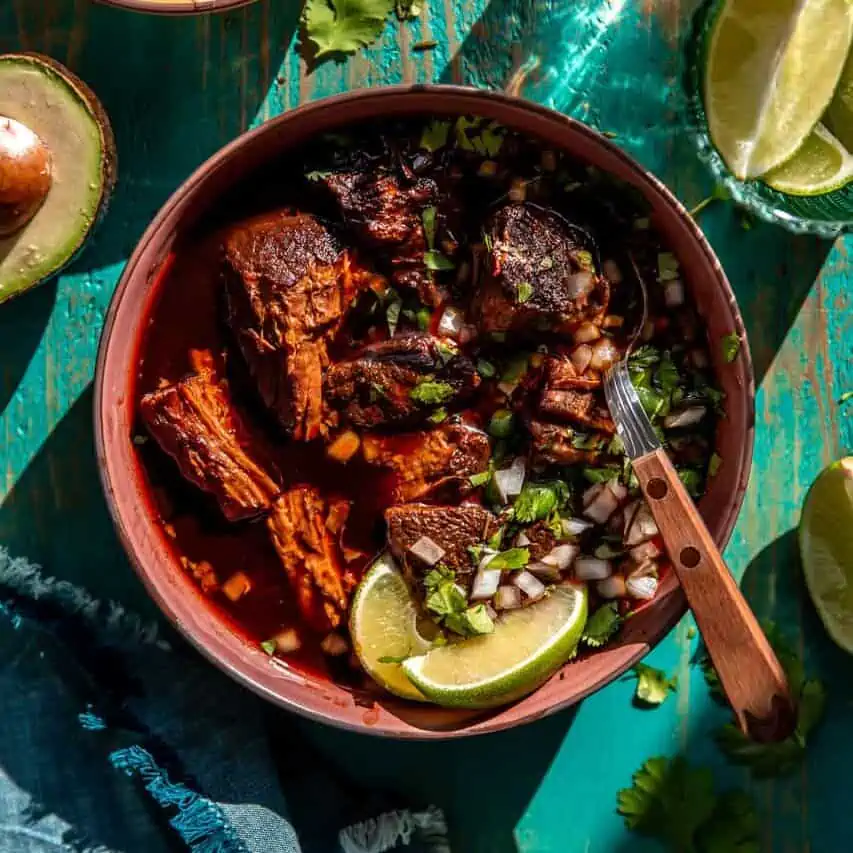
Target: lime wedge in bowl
[(771, 69), (826, 547), (822, 164), (384, 627), (526, 648)]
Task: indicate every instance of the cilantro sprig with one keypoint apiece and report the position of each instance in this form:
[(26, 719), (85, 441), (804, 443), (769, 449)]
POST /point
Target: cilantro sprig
[(653, 685), (602, 626), (344, 26)]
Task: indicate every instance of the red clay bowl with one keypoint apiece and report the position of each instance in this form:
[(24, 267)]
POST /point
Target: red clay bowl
[(125, 489), (177, 7)]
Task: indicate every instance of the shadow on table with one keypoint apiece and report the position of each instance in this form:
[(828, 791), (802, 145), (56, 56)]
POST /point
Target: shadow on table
[(176, 89), (483, 784), (56, 515)]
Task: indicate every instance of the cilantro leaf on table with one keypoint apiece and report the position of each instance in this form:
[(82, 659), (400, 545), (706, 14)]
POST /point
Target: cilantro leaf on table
[(602, 626), (653, 685), (669, 800), (344, 26)]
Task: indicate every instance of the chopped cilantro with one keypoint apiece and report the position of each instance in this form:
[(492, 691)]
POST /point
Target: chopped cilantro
[(476, 620), (645, 356), (653, 686), (447, 597), (666, 375), (501, 424), (616, 446), (393, 659), (714, 464), (654, 404), (584, 260), (485, 368), (461, 128), (269, 646), (602, 626), (317, 175), (428, 217), (487, 241), (407, 10), (667, 266), (344, 26), (510, 560), (434, 135), (582, 441), (490, 140), (430, 393), (480, 479), (392, 314), (601, 475), (515, 368), (377, 392), (435, 260), (730, 347), (438, 416), (538, 500), (423, 317), (525, 291), (495, 540), (447, 350), (847, 395), (692, 481)]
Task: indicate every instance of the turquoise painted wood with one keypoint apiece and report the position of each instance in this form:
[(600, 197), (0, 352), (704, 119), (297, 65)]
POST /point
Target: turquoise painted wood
[(177, 89)]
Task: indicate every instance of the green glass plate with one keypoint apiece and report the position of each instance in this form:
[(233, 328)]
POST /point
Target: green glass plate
[(826, 215)]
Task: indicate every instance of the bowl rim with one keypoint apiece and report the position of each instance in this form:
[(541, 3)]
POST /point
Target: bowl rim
[(176, 7), (465, 100)]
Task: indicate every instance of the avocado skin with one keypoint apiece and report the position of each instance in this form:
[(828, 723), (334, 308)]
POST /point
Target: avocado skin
[(109, 160)]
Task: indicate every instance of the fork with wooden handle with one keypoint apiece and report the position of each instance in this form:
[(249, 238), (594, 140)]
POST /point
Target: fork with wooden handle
[(750, 674)]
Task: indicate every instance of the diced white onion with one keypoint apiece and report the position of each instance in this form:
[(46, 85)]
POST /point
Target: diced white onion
[(580, 284), (510, 481), (642, 588), (561, 557), (507, 598), (645, 551), (451, 322), (488, 553), (641, 526), (427, 550), (486, 583), (603, 505), (592, 569), (544, 571), (620, 492), (581, 356), (604, 353), (612, 271), (586, 333), (530, 585), (673, 293), (334, 645), (521, 540), (612, 587), (575, 526), (684, 418), (287, 641), (591, 494)]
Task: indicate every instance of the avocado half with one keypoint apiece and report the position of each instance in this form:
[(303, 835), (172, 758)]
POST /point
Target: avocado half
[(68, 119)]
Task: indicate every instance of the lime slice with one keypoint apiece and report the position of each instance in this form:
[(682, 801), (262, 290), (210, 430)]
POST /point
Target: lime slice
[(822, 164), (383, 624), (525, 649), (771, 69), (826, 546), (839, 115)]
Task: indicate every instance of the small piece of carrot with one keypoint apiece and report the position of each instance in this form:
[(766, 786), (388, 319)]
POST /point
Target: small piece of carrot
[(344, 447), (237, 586)]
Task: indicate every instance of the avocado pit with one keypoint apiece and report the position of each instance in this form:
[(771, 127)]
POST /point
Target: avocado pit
[(25, 175)]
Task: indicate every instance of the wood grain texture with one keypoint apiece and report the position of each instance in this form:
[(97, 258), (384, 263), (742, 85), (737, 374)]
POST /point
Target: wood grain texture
[(176, 90), (750, 673)]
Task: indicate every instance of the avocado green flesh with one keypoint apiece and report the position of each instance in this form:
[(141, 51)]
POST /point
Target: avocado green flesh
[(40, 98)]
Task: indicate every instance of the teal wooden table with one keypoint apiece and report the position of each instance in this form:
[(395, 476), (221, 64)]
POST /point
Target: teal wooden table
[(177, 89)]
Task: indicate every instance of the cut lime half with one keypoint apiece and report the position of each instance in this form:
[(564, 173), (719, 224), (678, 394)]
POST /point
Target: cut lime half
[(384, 627), (826, 546), (771, 69), (822, 164), (525, 649)]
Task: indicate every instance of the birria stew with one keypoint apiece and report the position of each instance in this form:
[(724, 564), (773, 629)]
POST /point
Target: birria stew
[(394, 344)]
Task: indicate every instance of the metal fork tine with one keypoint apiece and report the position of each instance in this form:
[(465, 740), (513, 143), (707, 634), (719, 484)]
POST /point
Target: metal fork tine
[(632, 424)]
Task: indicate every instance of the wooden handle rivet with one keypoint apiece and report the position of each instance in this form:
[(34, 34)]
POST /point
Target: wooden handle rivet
[(689, 557), (656, 488)]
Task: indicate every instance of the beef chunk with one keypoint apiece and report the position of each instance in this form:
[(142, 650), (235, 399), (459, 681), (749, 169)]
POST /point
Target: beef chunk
[(542, 540), (453, 528), (537, 276), (554, 444), (195, 422), (309, 553), (579, 407), (386, 212), (437, 464), (289, 284), (400, 381), (559, 374)]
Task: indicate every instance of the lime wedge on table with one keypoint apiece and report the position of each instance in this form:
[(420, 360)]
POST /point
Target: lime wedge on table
[(383, 624), (839, 116), (525, 649), (822, 164), (771, 69), (826, 546)]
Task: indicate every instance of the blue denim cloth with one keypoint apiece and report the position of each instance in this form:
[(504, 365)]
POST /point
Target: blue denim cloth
[(116, 737)]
